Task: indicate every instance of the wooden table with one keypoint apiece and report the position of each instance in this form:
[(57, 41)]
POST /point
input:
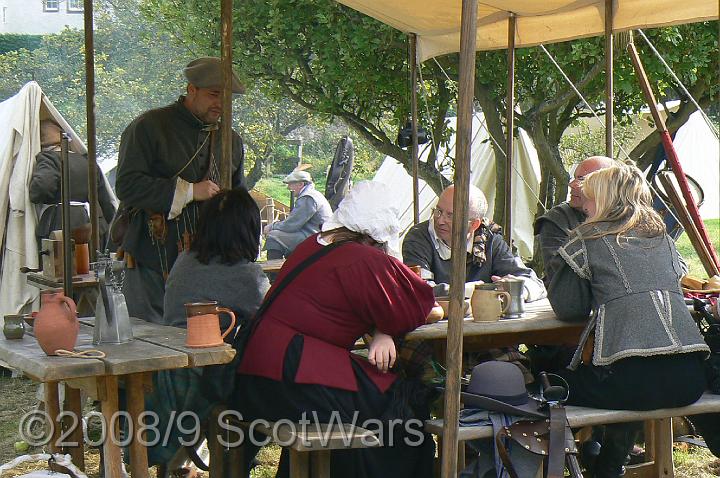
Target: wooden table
[(84, 285), (155, 348), (273, 265), (537, 326)]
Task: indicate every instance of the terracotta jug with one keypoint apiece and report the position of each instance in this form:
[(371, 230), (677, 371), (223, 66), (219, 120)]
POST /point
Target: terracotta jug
[(56, 326), (204, 330)]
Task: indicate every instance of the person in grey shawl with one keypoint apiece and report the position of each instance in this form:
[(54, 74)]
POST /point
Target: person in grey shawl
[(310, 212), (219, 266), (620, 272)]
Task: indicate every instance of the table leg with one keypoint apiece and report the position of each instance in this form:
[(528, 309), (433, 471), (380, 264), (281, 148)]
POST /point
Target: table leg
[(73, 404), (52, 408), (111, 450), (136, 405)]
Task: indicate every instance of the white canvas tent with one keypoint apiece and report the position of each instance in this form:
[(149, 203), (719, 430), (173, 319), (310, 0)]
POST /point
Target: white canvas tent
[(20, 118), (482, 175), (698, 149)]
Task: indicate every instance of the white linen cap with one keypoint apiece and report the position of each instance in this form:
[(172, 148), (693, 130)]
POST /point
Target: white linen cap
[(366, 210)]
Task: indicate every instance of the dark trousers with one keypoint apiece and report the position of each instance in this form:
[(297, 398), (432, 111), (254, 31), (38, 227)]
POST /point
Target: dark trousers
[(635, 383), (144, 291), (259, 397)]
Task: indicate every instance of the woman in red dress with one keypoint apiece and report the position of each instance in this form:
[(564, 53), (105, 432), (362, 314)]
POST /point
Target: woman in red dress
[(299, 362)]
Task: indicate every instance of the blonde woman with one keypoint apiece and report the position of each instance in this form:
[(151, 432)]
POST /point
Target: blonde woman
[(620, 272)]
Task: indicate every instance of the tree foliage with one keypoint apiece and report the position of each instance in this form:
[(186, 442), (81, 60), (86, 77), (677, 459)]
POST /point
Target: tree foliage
[(333, 60)]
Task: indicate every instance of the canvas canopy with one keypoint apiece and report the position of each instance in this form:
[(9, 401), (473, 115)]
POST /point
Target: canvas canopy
[(437, 22)]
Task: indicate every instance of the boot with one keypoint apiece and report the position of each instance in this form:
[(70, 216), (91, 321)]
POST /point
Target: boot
[(617, 444)]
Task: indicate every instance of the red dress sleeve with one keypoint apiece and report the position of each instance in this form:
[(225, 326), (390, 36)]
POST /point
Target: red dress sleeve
[(387, 293)]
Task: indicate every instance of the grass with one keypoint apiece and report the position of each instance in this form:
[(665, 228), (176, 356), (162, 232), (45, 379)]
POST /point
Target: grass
[(687, 251), (275, 188), (18, 397)]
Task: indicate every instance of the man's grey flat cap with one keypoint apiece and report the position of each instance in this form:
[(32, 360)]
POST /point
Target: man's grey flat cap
[(206, 72)]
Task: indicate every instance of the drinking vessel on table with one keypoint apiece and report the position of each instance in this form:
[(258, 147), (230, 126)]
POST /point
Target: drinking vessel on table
[(489, 305), (13, 327), (514, 287), (203, 324)]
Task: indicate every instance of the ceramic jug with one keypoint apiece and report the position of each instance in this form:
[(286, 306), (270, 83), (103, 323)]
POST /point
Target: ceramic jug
[(56, 326), (13, 327), (204, 330)]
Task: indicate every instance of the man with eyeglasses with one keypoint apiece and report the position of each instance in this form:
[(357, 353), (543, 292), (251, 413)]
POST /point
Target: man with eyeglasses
[(488, 256)]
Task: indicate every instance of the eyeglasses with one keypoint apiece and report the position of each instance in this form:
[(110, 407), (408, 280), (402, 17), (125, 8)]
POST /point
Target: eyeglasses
[(437, 213)]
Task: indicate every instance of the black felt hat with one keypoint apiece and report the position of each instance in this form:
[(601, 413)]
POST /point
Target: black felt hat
[(500, 387)]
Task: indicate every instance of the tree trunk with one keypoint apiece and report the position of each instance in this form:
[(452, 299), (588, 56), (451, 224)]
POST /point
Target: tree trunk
[(491, 111)]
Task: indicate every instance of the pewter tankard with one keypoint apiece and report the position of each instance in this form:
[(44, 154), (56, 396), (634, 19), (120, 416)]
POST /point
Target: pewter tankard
[(515, 288)]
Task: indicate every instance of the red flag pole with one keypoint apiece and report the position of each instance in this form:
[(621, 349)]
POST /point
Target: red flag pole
[(671, 154)]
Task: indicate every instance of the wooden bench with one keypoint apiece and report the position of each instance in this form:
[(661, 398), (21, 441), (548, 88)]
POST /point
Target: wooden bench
[(658, 431), (309, 446)]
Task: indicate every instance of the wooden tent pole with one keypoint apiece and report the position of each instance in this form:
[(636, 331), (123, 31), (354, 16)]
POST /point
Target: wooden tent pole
[(671, 154), (91, 130), (65, 213), (226, 123), (609, 100), (453, 355), (414, 113), (510, 122)]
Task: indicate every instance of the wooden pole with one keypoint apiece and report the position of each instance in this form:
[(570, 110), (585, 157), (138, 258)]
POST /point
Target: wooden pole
[(65, 200), (91, 131), (414, 114), (672, 157), (226, 123), (510, 122), (609, 100), (453, 357)]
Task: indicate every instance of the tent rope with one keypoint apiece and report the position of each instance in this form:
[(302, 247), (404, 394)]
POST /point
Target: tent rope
[(680, 83), (602, 124), (483, 125)]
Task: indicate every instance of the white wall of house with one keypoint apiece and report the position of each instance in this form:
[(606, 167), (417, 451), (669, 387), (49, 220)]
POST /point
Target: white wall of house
[(40, 17)]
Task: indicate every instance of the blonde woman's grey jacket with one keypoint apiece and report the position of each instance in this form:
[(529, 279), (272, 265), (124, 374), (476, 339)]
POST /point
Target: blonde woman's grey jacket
[(629, 292)]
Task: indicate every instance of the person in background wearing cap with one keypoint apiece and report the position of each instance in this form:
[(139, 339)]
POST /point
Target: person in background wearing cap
[(299, 362), (168, 164), (46, 181), (310, 212)]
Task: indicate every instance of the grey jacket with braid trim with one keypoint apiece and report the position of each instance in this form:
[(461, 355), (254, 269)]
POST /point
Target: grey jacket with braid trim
[(631, 293)]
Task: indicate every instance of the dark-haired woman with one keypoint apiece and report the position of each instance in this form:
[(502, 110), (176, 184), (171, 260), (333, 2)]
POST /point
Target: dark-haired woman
[(299, 362), (220, 266), (641, 349)]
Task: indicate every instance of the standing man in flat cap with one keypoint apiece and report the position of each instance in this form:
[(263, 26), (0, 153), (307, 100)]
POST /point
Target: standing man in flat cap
[(168, 164)]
